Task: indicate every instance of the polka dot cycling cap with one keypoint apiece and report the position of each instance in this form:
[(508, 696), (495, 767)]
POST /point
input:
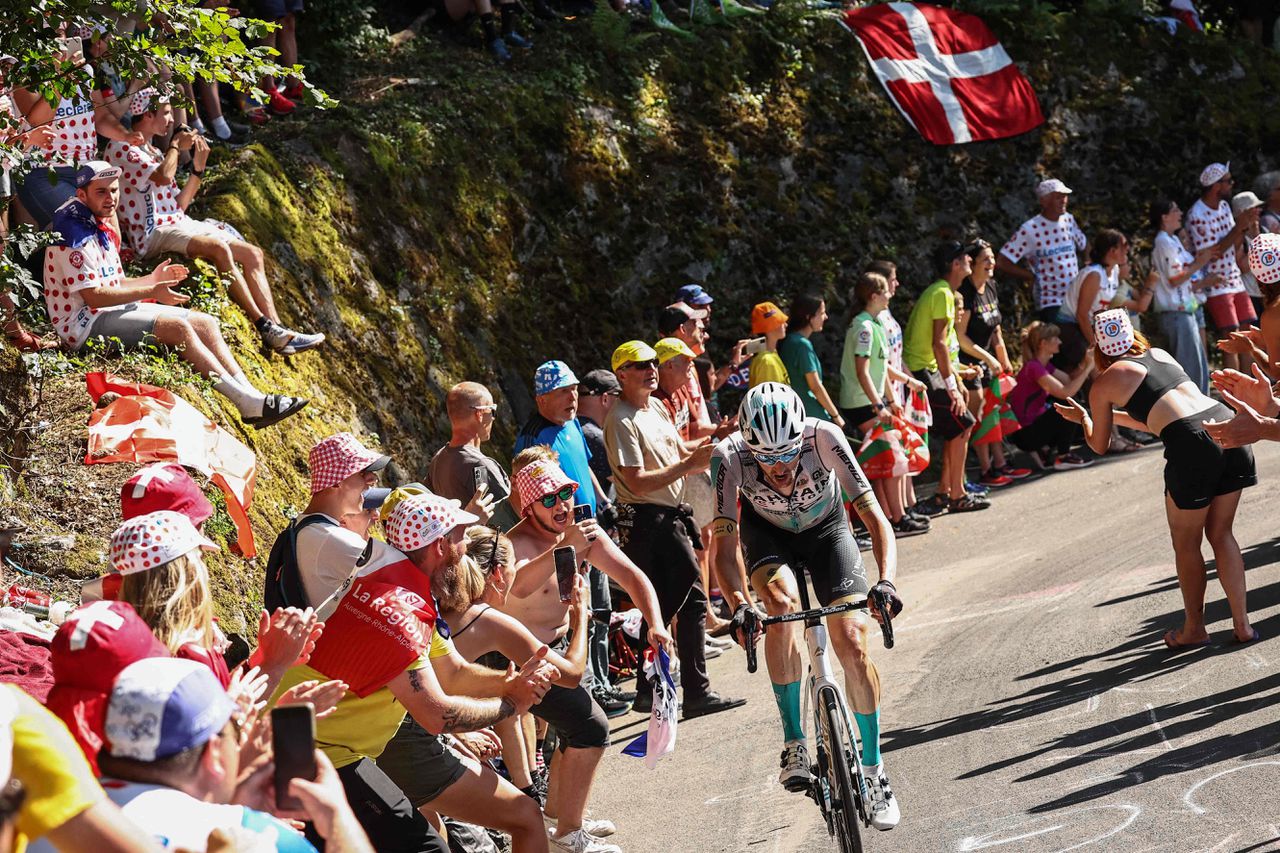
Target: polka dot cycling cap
[(144, 98), (1213, 173), (419, 520), (1113, 332), (1264, 258), (151, 540)]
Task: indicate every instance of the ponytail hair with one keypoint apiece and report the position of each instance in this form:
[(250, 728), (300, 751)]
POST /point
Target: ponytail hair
[(1103, 242), (1035, 334), (868, 285)]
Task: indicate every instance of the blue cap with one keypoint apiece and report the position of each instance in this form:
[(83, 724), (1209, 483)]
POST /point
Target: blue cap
[(94, 170), (551, 376), (374, 498), (693, 294), (162, 706)]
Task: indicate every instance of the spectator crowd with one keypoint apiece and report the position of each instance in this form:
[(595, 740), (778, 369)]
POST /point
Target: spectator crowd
[(456, 690)]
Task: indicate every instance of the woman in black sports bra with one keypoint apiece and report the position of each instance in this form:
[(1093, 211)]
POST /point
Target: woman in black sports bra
[(1142, 387)]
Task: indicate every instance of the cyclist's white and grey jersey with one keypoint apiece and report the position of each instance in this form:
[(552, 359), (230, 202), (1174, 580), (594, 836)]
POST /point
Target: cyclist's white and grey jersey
[(827, 468)]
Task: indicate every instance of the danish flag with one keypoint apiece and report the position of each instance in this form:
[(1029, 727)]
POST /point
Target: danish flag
[(945, 72)]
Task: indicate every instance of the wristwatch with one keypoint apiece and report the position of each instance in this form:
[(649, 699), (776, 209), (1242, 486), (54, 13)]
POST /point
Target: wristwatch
[(197, 173)]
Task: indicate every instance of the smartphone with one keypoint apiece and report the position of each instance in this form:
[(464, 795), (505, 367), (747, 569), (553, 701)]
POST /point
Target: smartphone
[(581, 513), (293, 742), (72, 44), (481, 477), (566, 567), (753, 346)]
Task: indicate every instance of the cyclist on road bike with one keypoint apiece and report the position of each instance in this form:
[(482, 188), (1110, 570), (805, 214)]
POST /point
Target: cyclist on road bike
[(779, 485)]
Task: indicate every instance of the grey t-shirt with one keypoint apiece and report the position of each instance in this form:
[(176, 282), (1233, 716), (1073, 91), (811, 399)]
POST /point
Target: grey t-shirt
[(452, 475)]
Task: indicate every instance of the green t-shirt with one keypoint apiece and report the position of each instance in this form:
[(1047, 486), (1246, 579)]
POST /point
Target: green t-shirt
[(767, 367), (938, 302), (866, 338), (797, 354)]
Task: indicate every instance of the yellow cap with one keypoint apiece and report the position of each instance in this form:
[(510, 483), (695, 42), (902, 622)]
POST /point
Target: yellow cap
[(397, 495), (632, 351), (669, 348)]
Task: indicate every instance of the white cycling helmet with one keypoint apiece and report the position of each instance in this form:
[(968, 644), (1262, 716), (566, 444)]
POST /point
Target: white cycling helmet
[(771, 418)]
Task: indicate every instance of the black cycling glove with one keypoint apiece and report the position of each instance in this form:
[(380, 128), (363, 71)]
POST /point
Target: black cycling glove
[(745, 622), (885, 592)]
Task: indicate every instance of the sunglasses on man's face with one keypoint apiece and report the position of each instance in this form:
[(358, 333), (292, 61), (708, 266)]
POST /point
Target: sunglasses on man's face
[(777, 458), (651, 364), (565, 494)]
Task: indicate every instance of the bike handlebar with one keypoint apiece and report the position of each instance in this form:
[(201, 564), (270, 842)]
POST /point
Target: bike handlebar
[(752, 623)]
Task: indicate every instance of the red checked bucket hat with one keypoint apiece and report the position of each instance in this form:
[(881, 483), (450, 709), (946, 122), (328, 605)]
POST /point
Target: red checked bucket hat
[(337, 457)]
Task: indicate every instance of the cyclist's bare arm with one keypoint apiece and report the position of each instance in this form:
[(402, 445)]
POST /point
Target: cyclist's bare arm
[(725, 532), (834, 451)]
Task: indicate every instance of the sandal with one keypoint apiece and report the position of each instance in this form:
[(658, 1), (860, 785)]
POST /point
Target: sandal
[(1236, 641), (276, 408), (968, 503), (1171, 641)]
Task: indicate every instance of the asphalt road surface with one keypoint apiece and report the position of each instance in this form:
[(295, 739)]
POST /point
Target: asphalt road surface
[(1029, 702)]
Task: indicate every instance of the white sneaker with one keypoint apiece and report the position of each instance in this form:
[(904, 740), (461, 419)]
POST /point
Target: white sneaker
[(797, 774), (599, 827), (720, 643), (884, 805), (581, 841), (709, 651)]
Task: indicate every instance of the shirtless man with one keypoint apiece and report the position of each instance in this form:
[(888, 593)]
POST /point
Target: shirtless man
[(543, 496)]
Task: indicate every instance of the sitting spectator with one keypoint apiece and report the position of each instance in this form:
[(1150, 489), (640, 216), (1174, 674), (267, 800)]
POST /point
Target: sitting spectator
[(544, 494), (168, 585), (808, 315), (1173, 269), (88, 297), (154, 213), (461, 464), (89, 650), (76, 121), (172, 764), (555, 424), (767, 366), (597, 394), (56, 798), (379, 641), (1045, 435), (650, 463)]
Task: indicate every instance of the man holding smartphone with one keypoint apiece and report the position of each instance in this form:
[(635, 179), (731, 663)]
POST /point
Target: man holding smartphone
[(544, 494), (656, 526)]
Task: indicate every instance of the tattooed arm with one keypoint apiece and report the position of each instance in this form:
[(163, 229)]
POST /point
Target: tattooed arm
[(440, 713)]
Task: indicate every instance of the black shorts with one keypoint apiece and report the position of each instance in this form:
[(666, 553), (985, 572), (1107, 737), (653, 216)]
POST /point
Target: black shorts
[(384, 812), (420, 763), (945, 423), (854, 418), (827, 549), (573, 712), (1197, 469)]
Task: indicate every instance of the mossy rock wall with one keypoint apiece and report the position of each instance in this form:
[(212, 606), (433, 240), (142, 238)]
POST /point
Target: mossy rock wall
[(453, 220)]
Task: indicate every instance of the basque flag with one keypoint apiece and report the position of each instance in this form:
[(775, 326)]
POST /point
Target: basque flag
[(945, 72)]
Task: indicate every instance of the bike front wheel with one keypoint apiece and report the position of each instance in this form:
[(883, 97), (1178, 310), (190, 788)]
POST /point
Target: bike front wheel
[(845, 792)]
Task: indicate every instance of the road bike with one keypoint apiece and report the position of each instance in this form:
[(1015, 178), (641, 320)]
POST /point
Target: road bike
[(838, 786)]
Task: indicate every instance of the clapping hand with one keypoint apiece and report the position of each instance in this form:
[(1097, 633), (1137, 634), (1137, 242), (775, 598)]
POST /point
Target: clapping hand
[(1252, 391), (1072, 411)]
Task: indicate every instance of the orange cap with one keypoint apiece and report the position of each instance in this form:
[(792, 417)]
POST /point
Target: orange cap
[(766, 317)]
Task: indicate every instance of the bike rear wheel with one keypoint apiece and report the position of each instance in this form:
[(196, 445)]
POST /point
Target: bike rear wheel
[(845, 800)]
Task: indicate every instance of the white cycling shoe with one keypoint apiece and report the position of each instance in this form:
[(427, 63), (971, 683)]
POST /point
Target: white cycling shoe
[(797, 773), (883, 805), (581, 841)]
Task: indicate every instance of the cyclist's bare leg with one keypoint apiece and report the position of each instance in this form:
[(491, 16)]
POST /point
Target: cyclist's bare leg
[(850, 635), (775, 586)]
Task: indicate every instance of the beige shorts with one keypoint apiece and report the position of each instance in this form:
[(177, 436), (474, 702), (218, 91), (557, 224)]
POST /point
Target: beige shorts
[(174, 238)]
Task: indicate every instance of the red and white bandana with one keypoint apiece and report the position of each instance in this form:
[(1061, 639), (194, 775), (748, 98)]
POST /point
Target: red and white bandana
[(537, 480), (337, 457), (419, 520), (150, 540)]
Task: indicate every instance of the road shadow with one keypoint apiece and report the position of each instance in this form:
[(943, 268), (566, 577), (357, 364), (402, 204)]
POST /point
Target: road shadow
[(1255, 556)]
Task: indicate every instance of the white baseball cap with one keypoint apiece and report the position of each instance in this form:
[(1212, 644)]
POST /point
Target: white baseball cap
[(1052, 185)]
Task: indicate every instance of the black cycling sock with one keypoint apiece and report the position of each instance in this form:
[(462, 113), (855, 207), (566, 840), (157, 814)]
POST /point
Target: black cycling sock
[(261, 323), (490, 26), (509, 11)]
